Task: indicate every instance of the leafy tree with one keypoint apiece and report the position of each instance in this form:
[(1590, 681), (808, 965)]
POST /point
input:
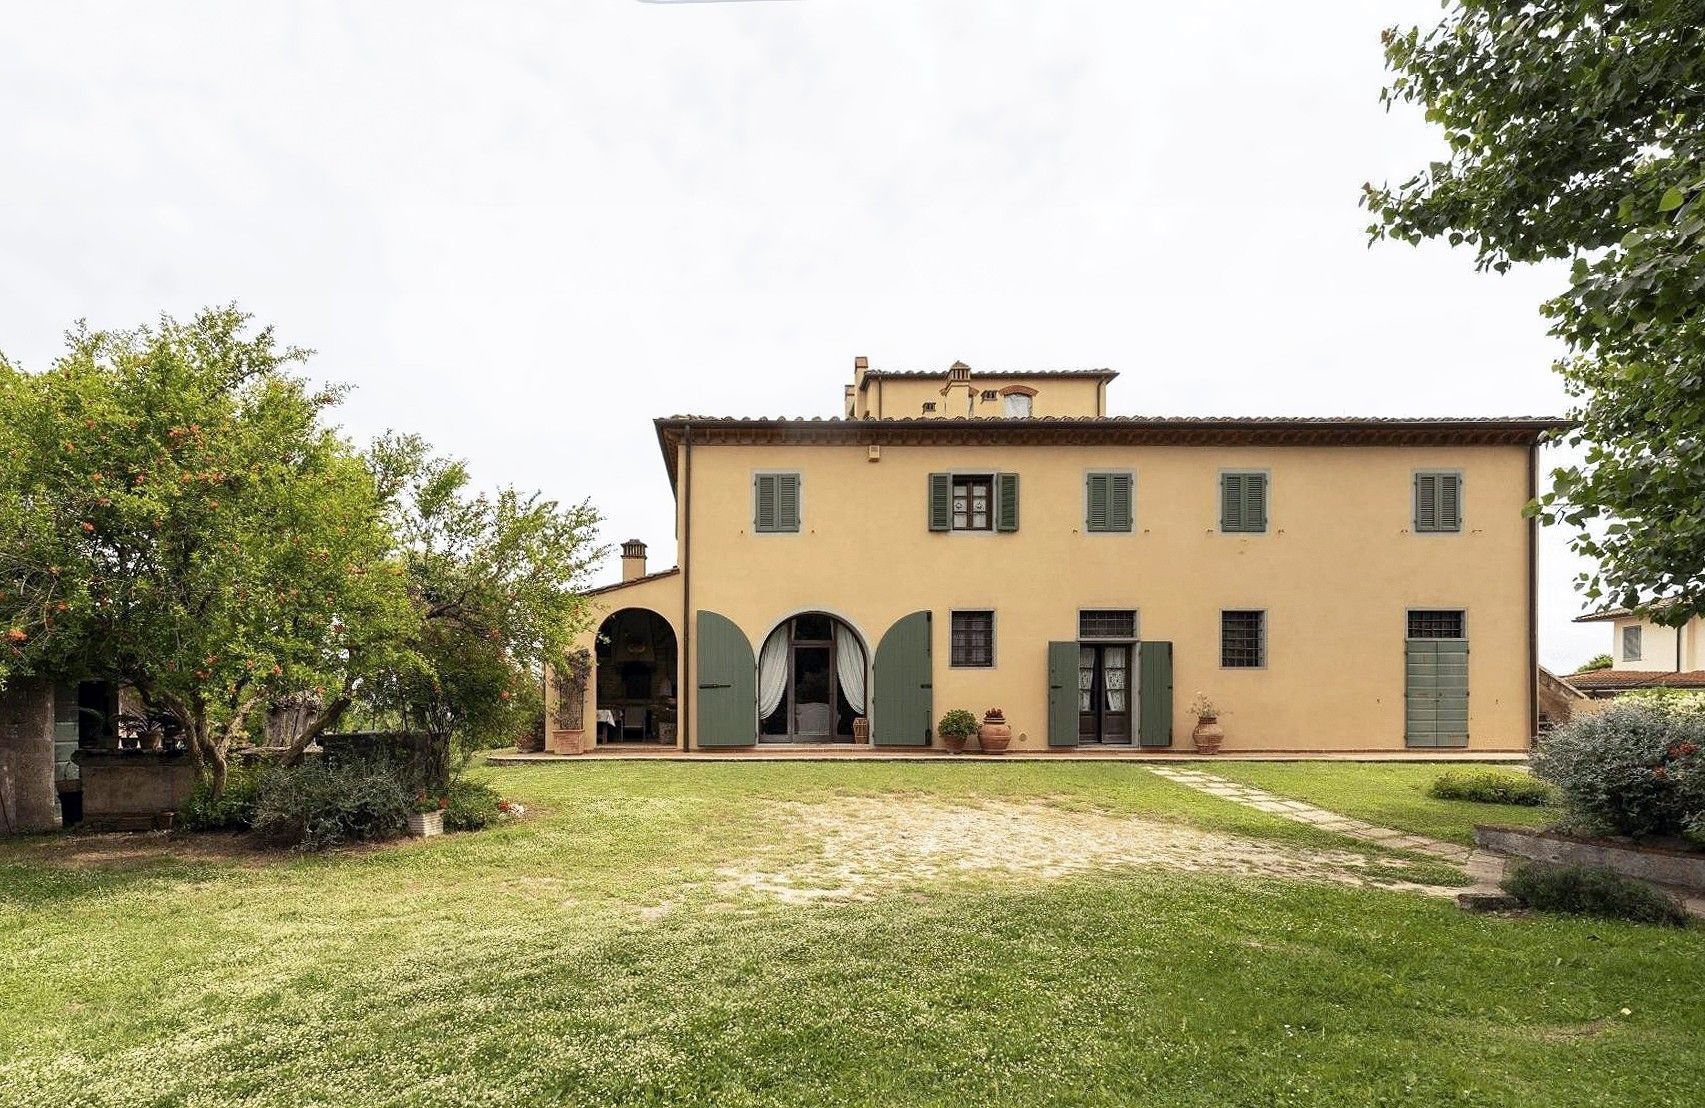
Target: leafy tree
[(1597, 661), (494, 583), (1576, 129), (185, 524)]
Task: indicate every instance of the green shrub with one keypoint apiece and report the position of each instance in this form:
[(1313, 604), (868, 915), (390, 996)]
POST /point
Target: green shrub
[(1636, 768), (1592, 891), (957, 724), (472, 805), (234, 810), (316, 805), (1485, 786)]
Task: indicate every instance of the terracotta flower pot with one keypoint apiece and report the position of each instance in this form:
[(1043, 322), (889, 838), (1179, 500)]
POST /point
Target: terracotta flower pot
[(955, 743), (996, 734), (861, 730), (1208, 735)]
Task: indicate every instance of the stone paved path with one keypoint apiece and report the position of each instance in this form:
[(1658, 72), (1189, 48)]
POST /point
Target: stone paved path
[(1484, 868)]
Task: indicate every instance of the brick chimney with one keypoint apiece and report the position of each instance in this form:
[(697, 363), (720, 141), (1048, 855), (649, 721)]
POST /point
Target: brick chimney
[(633, 559)]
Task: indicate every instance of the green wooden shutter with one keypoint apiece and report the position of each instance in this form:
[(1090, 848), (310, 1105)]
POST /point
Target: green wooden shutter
[(1435, 694), (1119, 502), (1254, 501), (1154, 693), (940, 502), (787, 502), (1231, 501), (1006, 501), (727, 684), (1062, 694), (1098, 496), (1450, 502), (902, 696), (1426, 502), (764, 502)]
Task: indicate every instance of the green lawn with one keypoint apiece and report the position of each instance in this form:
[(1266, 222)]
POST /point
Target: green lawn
[(593, 954), (1391, 794)]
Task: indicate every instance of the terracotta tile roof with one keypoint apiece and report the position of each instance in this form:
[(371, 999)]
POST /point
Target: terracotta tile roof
[(985, 374), (1637, 679), (1606, 614), (636, 581)]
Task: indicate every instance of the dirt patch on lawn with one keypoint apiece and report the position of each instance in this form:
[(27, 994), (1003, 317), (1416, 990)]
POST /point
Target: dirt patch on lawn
[(852, 848)]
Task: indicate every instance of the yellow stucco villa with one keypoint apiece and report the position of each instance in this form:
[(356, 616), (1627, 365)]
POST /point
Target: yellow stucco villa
[(965, 539)]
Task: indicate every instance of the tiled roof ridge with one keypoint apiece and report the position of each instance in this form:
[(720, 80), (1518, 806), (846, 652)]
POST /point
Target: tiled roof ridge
[(1129, 419)]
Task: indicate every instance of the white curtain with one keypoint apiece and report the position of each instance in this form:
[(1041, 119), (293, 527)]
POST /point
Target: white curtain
[(849, 666), (772, 672)]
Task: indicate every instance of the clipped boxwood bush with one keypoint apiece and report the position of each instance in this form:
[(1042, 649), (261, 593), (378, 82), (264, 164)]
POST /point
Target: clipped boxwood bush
[(1486, 786), (1636, 768), (317, 805), (1592, 891), (232, 811)]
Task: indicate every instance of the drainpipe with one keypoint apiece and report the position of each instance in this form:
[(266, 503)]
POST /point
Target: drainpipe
[(687, 697), (1533, 600)]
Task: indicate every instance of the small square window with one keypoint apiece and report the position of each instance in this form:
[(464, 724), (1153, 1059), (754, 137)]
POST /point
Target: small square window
[(990, 394), (972, 500), (1107, 623), (929, 406), (1436, 624), (1631, 644), (973, 640), (1243, 639)]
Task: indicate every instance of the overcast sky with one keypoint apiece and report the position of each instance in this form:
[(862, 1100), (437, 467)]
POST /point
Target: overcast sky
[(526, 229)]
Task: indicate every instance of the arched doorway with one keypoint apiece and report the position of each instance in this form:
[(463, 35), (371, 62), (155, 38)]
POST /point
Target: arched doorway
[(636, 692), (812, 681)]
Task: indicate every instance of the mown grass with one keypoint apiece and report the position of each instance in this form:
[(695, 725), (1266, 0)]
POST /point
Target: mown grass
[(1391, 794), (584, 956)]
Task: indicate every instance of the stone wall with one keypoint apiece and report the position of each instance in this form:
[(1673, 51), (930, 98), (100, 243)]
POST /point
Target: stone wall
[(29, 800), (129, 790)]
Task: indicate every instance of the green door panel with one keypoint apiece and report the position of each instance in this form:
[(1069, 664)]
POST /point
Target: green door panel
[(728, 684), (1154, 693), (903, 700), (1435, 692), (1062, 694)]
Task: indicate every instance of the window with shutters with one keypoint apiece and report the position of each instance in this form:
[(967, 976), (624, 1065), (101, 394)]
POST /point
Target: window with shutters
[(1631, 644), (1107, 623), (972, 640), (1431, 623), (1243, 639), (1108, 502), (1438, 501), (775, 502), (1243, 501), (973, 502)]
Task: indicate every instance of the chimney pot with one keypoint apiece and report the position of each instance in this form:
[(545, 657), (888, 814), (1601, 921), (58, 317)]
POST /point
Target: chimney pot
[(861, 363), (633, 559)]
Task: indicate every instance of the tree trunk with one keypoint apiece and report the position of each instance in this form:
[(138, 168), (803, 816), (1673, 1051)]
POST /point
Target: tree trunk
[(327, 720)]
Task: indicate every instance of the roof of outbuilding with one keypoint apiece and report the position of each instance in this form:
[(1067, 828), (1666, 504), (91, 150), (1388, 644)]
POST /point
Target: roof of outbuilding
[(1097, 374), (1637, 679), (636, 581)]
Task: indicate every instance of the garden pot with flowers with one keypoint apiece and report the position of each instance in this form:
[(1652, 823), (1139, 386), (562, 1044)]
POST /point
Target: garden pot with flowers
[(996, 733), (1208, 734), (427, 819), (956, 729)]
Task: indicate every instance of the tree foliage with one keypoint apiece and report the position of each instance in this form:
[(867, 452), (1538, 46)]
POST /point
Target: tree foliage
[(1576, 129)]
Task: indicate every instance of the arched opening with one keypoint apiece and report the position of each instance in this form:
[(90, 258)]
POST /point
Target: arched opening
[(812, 681), (636, 691)]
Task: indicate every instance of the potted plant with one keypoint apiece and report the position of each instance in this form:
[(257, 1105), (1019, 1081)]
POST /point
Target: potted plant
[(1208, 734), (956, 729), (427, 819), (995, 735)]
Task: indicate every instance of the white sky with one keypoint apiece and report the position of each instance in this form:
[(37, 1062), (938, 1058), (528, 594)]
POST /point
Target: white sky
[(526, 229)]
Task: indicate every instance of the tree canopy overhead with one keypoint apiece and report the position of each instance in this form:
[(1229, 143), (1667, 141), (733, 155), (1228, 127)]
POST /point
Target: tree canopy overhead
[(1575, 129)]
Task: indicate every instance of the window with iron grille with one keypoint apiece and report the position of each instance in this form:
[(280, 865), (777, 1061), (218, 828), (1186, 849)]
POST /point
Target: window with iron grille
[(1243, 639), (1631, 644), (1107, 623), (973, 639), (1436, 624), (971, 500)]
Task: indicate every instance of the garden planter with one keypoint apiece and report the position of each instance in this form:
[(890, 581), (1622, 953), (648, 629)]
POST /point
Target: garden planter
[(425, 824), (996, 734), (861, 730), (955, 743), (1208, 735), (567, 742)]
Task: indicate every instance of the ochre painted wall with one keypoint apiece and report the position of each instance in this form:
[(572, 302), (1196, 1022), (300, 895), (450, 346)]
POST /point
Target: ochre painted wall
[(904, 397), (1336, 573)]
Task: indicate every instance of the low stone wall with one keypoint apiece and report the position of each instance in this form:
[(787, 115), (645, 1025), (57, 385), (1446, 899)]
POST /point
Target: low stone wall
[(133, 790), (1685, 868)]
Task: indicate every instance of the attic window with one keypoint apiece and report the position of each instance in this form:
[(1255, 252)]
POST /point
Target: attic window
[(990, 394), (1017, 405), (929, 406)]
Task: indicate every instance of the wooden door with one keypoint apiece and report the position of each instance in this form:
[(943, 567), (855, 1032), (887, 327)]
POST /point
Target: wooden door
[(903, 697)]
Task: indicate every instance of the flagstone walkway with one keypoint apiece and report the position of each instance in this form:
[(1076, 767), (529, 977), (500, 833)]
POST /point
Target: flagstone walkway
[(1484, 868)]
